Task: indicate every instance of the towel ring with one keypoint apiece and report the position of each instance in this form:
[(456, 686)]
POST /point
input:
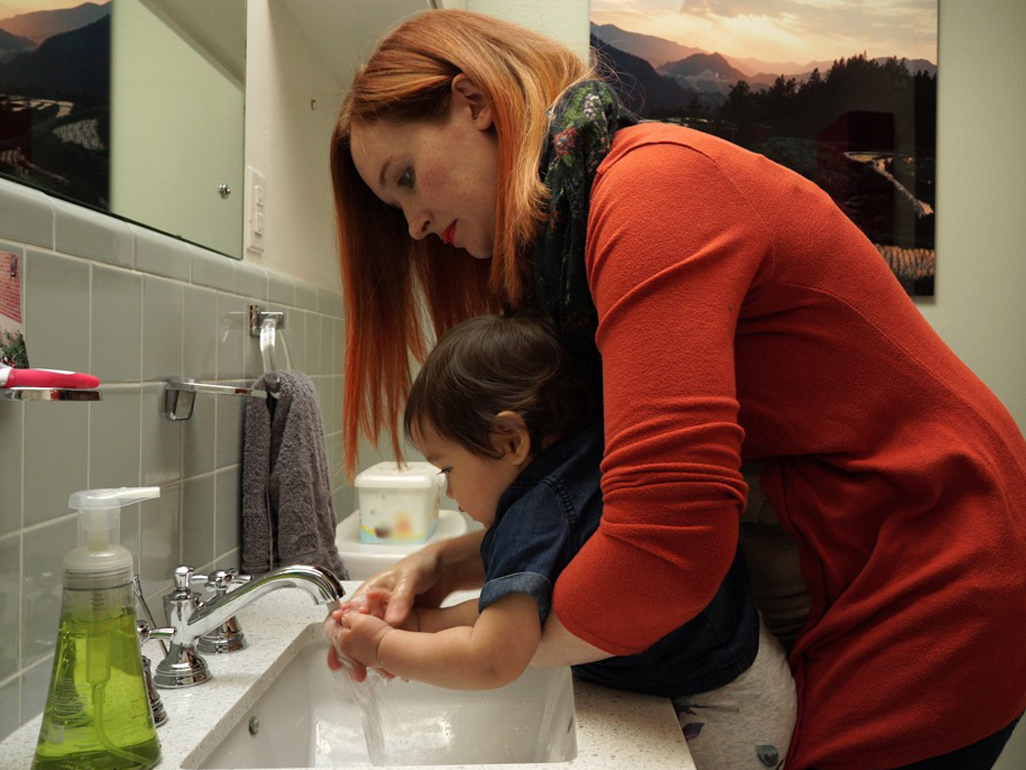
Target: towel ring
[(266, 324)]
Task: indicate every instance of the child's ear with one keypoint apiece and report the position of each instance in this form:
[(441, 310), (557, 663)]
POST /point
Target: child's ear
[(511, 437)]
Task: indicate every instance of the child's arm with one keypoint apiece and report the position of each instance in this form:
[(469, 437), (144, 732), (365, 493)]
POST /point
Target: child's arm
[(494, 651)]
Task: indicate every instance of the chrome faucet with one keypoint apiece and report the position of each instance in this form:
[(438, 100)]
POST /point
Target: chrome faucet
[(190, 618)]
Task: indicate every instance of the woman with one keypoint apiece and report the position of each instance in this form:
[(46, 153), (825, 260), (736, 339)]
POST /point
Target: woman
[(740, 319)]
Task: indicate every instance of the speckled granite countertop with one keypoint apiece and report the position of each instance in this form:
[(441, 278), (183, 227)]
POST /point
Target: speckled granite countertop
[(614, 729)]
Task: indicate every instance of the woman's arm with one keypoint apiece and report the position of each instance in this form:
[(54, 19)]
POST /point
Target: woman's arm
[(493, 652), (559, 647), (672, 248)]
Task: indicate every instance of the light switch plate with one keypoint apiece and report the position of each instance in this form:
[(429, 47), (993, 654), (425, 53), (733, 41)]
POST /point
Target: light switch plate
[(256, 210)]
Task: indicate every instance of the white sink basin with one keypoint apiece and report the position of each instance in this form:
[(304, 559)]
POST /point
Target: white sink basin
[(307, 718), (283, 680)]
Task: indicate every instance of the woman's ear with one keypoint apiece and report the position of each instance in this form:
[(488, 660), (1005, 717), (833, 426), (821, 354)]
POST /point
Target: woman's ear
[(511, 437), (466, 94)]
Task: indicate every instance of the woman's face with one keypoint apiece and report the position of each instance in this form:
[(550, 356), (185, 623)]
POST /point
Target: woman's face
[(441, 174)]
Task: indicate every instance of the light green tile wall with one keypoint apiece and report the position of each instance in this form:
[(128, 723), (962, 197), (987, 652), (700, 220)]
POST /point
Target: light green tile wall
[(132, 306)]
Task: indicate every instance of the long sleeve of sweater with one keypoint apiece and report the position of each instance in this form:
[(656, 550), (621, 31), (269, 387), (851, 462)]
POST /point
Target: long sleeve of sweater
[(668, 289)]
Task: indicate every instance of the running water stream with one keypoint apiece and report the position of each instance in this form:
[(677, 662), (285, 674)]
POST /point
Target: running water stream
[(368, 696), (376, 714)]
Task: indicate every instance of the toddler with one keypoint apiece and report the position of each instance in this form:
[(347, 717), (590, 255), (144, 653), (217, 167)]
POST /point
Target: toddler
[(503, 412)]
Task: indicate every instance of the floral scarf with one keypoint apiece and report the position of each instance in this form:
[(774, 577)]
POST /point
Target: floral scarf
[(581, 128)]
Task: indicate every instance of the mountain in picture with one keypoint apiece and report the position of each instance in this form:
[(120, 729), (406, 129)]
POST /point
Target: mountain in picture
[(639, 86), (710, 72), (37, 26), (12, 45), (655, 50), (66, 65)]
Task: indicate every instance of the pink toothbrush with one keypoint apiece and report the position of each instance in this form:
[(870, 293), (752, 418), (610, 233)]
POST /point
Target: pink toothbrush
[(45, 378)]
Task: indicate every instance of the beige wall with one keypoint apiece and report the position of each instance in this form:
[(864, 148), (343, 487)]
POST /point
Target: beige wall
[(981, 232)]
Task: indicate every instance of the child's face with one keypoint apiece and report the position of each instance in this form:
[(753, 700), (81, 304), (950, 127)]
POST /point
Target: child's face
[(475, 482)]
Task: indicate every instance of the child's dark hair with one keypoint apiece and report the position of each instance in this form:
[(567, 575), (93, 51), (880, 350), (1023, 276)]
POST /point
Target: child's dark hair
[(493, 363)]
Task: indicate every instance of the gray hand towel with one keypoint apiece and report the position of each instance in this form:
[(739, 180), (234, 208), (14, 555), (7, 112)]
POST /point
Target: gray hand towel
[(288, 516)]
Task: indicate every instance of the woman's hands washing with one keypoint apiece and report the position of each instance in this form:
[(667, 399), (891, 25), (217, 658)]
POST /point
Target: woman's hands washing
[(425, 578)]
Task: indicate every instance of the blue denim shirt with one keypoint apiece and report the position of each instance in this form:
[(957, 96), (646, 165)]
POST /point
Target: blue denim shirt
[(542, 521)]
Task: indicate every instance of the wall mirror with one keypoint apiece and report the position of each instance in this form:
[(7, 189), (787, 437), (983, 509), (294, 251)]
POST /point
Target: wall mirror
[(131, 107)]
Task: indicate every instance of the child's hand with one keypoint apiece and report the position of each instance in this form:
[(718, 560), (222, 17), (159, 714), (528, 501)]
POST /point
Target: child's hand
[(372, 602), (331, 631), (358, 638)]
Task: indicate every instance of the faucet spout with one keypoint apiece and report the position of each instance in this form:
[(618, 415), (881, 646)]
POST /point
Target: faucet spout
[(323, 587), (190, 618)]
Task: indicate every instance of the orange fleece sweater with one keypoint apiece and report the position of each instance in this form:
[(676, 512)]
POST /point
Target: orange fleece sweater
[(743, 317)]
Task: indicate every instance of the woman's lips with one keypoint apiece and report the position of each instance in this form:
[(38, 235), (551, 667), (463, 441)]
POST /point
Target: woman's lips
[(449, 233)]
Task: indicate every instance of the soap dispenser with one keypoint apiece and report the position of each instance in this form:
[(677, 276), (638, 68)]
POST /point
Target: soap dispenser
[(97, 713)]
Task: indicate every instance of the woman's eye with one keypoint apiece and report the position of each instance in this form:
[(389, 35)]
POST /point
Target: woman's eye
[(406, 178), (446, 471)]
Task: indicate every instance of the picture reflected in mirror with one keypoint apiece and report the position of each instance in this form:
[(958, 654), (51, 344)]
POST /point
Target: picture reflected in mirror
[(130, 107), (55, 98)]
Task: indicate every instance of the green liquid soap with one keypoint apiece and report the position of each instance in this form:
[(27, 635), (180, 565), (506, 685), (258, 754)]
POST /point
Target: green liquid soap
[(97, 714)]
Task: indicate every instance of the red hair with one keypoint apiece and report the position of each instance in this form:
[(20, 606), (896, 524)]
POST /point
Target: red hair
[(385, 273)]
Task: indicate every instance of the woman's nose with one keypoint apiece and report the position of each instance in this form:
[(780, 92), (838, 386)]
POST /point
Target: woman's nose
[(419, 225)]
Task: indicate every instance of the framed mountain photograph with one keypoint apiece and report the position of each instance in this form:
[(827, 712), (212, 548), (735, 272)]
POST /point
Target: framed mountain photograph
[(840, 91), (55, 97)]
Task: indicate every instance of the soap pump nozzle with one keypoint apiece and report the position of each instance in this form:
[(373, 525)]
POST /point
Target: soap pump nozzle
[(99, 553)]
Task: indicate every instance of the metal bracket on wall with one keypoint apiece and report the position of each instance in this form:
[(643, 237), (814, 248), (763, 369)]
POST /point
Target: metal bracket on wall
[(180, 395)]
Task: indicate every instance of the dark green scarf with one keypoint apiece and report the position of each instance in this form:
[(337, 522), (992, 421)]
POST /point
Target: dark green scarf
[(581, 128)]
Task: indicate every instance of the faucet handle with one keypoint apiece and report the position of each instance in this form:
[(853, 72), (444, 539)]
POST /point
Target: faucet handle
[(220, 580), (183, 575), (147, 632), (182, 600), (228, 637)]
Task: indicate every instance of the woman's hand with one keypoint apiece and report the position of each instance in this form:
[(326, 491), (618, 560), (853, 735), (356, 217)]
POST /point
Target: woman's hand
[(428, 576)]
